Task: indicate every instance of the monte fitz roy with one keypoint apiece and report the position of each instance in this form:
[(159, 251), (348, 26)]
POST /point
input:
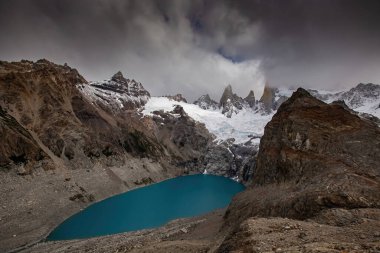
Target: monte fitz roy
[(309, 160)]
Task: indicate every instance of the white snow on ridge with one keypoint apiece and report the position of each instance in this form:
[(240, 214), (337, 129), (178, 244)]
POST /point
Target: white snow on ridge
[(371, 108), (239, 127), (113, 94)]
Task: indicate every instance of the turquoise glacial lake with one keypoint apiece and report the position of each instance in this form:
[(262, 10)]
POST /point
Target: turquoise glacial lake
[(150, 206)]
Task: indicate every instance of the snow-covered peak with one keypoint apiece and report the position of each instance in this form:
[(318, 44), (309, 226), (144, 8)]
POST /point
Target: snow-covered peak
[(118, 77), (116, 94), (361, 95), (231, 103), (364, 98)]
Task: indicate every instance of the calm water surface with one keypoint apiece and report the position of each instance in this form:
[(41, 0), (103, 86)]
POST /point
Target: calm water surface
[(150, 206)]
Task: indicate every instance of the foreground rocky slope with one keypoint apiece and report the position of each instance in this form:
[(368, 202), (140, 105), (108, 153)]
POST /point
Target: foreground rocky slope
[(316, 161), (65, 147)]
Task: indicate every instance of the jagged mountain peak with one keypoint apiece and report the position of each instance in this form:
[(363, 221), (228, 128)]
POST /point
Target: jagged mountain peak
[(230, 102), (362, 93), (268, 98), (228, 88), (251, 94), (227, 93), (207, 96), (300, 98), (118, 77), (117, 93), (250, 99), (205, 102), (367, 86)]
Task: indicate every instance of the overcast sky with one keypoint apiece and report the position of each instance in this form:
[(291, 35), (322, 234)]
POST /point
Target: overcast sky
[(197, 47)]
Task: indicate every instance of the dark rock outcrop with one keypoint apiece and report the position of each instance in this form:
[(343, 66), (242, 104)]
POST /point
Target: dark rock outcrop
[(230, 102), (250, 99), (183, 137), (229, 159), (312, 157), (267, 100), (206, 103), (18, 146)]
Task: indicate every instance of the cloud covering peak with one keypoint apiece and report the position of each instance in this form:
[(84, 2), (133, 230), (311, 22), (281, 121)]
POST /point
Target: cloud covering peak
[(198, 47)]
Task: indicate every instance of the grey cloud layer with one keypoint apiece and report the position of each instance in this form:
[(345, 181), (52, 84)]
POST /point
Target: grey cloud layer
[(197, 47)]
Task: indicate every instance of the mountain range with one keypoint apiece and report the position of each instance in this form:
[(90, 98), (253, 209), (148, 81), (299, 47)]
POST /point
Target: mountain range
[(67, 143), (364, 98)]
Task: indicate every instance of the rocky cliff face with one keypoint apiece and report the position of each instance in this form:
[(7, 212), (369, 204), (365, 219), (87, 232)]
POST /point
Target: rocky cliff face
[(77, 121), (18, 150), (250, 99), (313, 158), (183, 137), (267, 100), (316, 161), (228, 159), (44, 99)]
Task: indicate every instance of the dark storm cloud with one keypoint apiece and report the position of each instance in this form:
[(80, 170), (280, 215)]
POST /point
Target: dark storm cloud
[(197, 47)]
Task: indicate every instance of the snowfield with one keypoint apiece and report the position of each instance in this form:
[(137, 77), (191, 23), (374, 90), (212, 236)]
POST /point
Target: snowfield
[(371, 108), (242, 125)]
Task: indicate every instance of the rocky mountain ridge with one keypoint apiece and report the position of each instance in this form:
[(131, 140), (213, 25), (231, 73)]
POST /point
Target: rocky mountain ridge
[(363, 98), (67, 147), (116, 94)]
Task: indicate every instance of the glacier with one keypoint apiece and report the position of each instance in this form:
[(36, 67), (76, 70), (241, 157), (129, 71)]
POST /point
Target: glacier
[(242, 127)]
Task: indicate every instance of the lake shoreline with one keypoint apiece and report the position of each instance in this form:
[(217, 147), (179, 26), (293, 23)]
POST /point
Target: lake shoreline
[(36, 204), (180, 197)]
